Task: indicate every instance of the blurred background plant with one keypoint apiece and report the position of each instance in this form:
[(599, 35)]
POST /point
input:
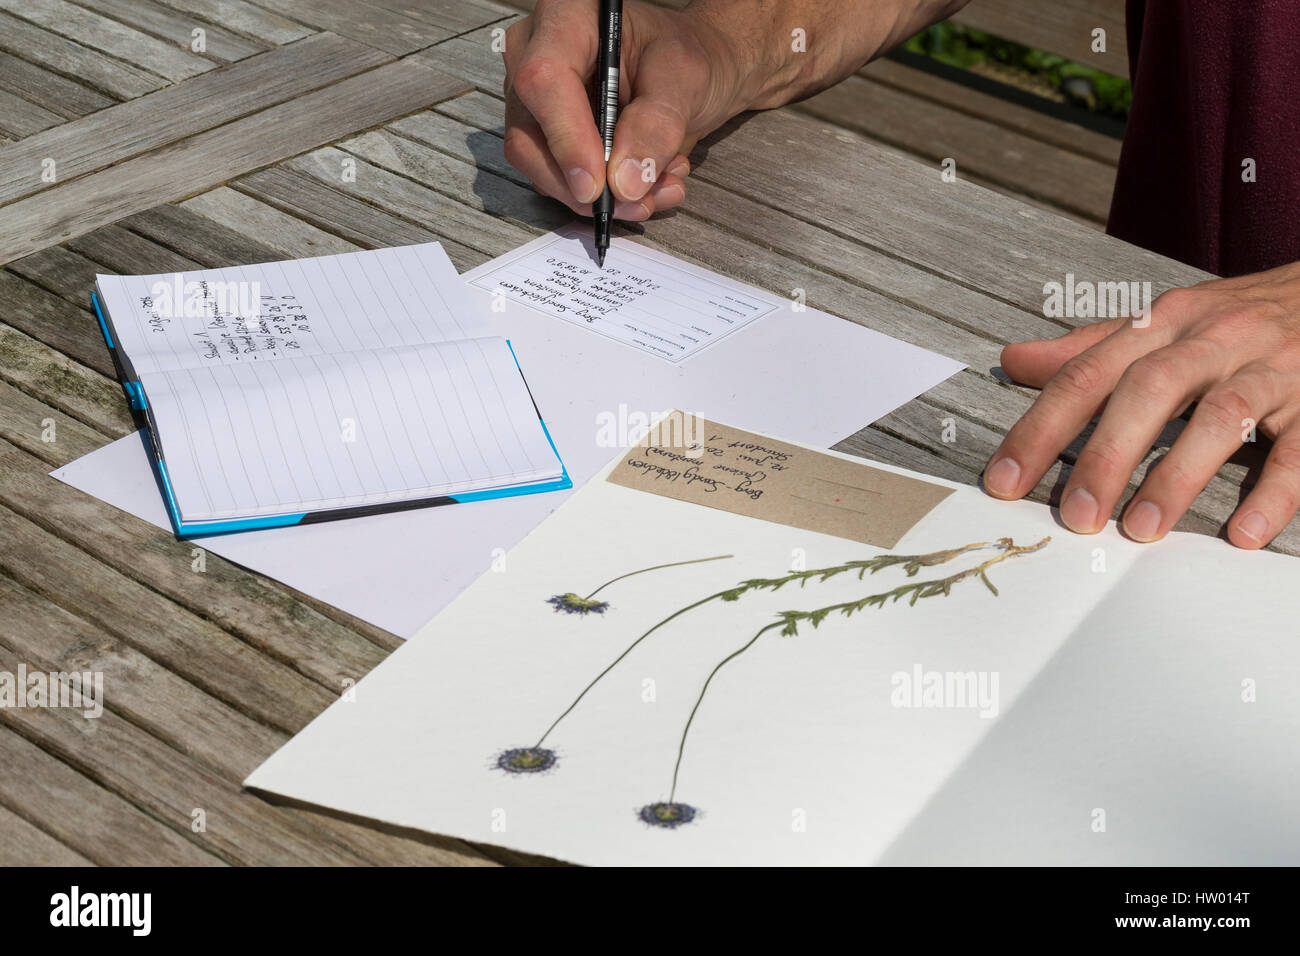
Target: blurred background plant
[(1034, 71)]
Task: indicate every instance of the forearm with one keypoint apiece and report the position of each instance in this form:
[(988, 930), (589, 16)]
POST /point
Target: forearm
[(777, 64)]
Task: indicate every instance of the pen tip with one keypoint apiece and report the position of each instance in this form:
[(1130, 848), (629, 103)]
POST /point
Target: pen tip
[(600, 258)]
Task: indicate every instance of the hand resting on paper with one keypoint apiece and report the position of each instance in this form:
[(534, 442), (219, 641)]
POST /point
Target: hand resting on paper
[(1231, 346)]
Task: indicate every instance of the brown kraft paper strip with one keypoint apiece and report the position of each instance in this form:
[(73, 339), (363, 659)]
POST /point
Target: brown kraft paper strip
[(701, 462)]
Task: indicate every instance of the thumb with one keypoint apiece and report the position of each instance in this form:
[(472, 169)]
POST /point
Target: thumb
[(1034, 363), (652, 127)]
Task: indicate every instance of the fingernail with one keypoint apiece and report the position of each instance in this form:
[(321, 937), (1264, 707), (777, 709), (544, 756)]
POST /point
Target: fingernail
[(681, 169), (628, 179), (1003, 477), (1079, 511), (669, 196), (1142, 521), (582, 184), (631, 211), (1254, 526)]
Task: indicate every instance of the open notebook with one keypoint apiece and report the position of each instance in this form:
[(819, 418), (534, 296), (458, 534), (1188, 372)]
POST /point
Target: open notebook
[(294, 391)]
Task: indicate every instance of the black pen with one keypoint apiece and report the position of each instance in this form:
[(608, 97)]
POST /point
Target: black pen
[(607, 62)]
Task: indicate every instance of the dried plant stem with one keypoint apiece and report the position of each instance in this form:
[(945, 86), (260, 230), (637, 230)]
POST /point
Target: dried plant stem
[(681, 747), (657, 567), (788, 621), (911, 564), (615, 662)]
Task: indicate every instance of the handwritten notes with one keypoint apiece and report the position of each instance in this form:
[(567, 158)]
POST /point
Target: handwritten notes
[(694, 460), (224, 329), (382, 298), (649, 301), (352, 381)]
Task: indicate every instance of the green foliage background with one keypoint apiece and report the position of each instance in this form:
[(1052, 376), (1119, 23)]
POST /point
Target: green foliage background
[(963, 47)]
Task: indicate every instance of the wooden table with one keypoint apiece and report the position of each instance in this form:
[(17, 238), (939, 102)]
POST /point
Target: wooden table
[(167, 159)]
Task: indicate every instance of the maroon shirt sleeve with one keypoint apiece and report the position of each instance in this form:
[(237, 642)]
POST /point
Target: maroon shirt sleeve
[(1215, 83)]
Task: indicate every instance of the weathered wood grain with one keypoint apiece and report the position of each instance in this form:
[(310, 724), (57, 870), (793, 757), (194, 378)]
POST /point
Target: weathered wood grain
[(92, 822), (418, 203), (459, 17), (42, 430), (245, 18), (471, 57), (22, 844), (109, 36), (315, 202), (20, 118), (291, 238), (373, 25), (473, 187), (255, 609), (196, 237), (170, 787), (80, 392), (194, 164), (49, 90), (65, 56), (197, 650), (178, 28), (124, 252), (52, 640), (51, 318), (133, 128), (1006, 114), (985, 148), (911, 214), (176, 713)]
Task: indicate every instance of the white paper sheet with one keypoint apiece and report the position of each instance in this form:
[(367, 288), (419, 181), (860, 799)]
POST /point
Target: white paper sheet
[(809, 376), (641, 297), (1146, 710)]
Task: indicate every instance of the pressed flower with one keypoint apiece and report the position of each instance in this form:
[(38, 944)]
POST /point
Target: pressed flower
[(571, 603), (667, 816), (526, 760)]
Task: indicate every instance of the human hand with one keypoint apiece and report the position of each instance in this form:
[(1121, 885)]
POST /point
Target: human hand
[(680, 79), (1232, 346)]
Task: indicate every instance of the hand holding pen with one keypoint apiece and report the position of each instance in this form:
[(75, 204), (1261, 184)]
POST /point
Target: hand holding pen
[(669, 98)]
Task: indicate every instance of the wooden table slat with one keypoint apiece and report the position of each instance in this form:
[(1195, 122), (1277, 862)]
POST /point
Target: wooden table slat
[(109, 36), (244, 17), (178, 28), (49, 90), (207, 159), (1064, 178), (61, 55), (140, 125), (22, 844), (91, 820)]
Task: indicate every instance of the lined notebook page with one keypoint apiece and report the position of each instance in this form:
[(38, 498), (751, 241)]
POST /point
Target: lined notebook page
[(248, 315), (642, 298), (338, 430)]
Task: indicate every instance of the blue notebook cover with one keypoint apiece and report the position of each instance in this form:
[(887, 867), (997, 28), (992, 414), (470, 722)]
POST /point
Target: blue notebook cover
[(136, 396)]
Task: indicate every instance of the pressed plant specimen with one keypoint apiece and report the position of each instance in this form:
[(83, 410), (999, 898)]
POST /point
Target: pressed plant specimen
[(539, 759), (572, 603), (671, 814)]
